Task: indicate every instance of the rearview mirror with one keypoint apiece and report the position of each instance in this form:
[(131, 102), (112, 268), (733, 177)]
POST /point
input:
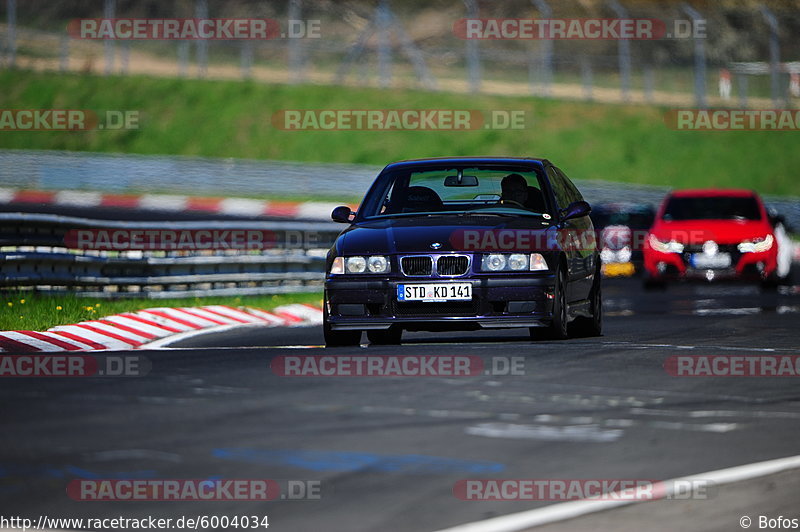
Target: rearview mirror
[(577, 209), (342, 214), (461, 181)]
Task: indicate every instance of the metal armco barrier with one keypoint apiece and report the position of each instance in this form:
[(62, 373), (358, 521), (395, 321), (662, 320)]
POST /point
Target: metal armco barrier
[(36, 252)]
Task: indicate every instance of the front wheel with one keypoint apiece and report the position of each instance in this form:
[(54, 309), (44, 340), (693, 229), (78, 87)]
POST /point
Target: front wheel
[(592, 326), (337, 338), (557, 330)]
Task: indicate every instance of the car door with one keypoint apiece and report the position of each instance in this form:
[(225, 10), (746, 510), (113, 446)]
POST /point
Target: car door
[(567, 231), (584, 242)]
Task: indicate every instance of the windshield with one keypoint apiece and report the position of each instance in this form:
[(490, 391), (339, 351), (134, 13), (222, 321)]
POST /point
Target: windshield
[(712, 208), (632, 219), (458, 190)]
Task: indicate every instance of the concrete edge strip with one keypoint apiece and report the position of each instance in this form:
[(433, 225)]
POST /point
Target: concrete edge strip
[(568, 510), (233, 206), (101, 334)]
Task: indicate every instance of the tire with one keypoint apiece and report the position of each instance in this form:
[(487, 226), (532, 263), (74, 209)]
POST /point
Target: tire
[(390, 336), (770, 285), (557, 330), (337, 338), (592, 326), (651, 284)]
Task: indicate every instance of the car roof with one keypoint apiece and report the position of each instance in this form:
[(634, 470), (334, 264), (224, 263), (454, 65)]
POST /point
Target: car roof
[(467, 160), (709, 192)]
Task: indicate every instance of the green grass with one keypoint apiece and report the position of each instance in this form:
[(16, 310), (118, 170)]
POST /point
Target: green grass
[(627, 143), (38, 312)]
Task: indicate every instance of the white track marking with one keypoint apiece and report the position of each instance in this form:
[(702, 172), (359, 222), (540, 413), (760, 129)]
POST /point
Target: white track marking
[(81, 332), (163, 202), (242, 206), (31, 341), (234, 313), (161, 320), (78, 198), (569, 510), (128, 322)]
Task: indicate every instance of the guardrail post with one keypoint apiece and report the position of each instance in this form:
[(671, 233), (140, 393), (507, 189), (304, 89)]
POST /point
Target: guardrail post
[(774, 56), (383, 22), (545, 70), (109, 47), (295, 45), (624, 53), (201, 12), (699, 58), (473, 54), (11, 37)]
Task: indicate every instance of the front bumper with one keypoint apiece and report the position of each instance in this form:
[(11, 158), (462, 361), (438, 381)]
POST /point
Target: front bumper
[(744, 266), (497, 302)]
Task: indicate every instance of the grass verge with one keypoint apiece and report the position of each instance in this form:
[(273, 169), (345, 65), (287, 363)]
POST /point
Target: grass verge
[(38, 312), (624, 143)]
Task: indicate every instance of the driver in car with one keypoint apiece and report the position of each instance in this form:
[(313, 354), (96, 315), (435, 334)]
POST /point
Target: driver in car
[(515, 191)]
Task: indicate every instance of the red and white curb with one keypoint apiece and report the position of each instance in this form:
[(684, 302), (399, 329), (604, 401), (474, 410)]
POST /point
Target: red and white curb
[(154, 327), (313, 210)]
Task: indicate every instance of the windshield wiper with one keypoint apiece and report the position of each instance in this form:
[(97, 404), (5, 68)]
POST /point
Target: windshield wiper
[(506, 214)]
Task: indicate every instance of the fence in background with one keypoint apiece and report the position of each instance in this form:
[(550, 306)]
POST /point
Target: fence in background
[(727, 56)]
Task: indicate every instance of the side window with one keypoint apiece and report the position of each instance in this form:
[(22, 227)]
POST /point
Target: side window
[(572, 191), (557, 182)]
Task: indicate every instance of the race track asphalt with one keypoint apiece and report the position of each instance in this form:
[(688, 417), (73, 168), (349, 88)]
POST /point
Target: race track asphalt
[(387, 451)]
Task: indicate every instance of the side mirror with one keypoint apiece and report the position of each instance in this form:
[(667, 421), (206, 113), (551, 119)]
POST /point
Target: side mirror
[(577, 209), (341, 214)]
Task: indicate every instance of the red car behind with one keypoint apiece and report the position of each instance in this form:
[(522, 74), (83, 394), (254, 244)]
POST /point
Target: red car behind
[(711, 234)]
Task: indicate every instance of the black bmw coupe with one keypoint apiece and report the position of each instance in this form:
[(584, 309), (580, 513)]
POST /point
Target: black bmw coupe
[(464, 244)]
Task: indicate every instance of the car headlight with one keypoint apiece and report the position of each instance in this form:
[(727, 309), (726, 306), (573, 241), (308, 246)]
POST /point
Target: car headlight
[(378, 264), (665, 247), (517, 262), (357, 264), (757, 245), (494, 262)]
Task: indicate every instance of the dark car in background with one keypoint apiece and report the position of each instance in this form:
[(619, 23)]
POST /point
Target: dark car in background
[(621, 229), (712, 234), (464, 244)]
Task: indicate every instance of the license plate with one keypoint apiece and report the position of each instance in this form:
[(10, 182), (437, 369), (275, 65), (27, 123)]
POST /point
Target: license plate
[(720, 260), (434, 292), (622, 269)]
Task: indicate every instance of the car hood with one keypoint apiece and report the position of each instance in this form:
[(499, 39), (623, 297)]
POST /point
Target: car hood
[(421, 234), (720, 231)]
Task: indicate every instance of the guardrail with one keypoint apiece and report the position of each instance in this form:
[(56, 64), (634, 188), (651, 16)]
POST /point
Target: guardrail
[(39, 252)]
